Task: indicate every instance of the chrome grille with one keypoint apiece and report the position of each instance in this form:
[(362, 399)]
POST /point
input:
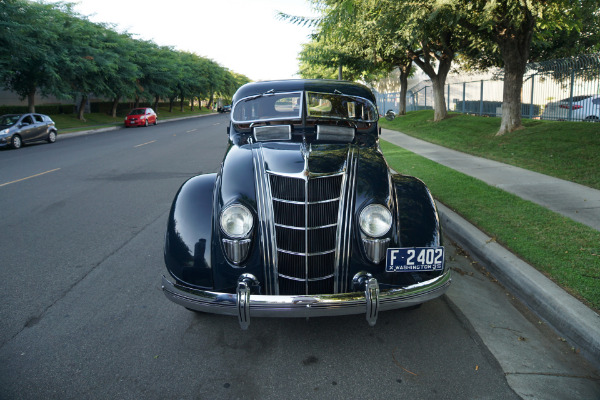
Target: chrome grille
[(306, 212)]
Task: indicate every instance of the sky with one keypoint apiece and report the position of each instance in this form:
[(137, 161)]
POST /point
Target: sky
[(244, 36)]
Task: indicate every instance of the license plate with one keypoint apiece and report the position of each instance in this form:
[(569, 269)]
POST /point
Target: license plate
[(415, 259)]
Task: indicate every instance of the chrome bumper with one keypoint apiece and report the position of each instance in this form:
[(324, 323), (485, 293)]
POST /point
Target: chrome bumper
[(244, 305)]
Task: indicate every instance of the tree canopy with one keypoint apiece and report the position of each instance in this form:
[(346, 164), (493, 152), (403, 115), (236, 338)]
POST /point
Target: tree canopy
[(52, 50), (434, 34)]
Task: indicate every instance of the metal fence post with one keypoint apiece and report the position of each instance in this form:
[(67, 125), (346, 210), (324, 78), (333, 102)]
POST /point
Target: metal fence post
[(448, 99), (531, 102), (481, 99), (425, 96), (464, 93), (570, 113)]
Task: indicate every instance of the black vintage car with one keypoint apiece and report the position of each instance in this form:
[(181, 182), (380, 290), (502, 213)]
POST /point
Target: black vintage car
[(304, 218)]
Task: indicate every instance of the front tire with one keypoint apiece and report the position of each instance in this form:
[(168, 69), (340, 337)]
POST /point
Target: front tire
[(146, 123), (51, 137), (16, 142)]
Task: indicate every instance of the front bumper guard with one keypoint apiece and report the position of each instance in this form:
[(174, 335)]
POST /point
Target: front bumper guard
[(244, 305)]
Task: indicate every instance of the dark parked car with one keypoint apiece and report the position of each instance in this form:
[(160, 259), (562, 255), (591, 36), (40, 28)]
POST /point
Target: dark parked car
[(143, 116), (304, 217), (225, 109), (18, 129)]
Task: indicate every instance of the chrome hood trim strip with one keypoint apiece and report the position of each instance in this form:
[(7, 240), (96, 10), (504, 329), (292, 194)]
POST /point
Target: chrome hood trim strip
[(264, 206), (345, 213)]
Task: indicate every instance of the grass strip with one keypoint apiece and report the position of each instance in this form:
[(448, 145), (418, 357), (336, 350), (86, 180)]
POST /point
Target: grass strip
[(566, 150), (564, 250), (69, 122)]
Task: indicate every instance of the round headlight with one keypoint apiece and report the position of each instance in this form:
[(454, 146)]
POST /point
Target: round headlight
[(375, 220), (236, 221)]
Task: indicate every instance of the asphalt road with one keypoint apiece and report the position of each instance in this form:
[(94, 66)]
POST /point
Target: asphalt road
[(83, 315)]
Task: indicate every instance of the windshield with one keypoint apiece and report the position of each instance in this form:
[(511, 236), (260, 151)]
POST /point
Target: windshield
[(268, 106), (339, 106), (138, 111), (284, 106), (9, 119)]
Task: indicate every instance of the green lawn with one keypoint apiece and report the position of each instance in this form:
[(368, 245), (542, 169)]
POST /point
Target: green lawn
[(566, 251), (69, 122), (566, 150)]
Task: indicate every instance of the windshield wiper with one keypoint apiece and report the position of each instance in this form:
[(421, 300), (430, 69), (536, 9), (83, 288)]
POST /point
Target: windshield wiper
[(268, 92)]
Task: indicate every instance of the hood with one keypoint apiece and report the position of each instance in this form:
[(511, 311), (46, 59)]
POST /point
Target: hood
[(305, 159)]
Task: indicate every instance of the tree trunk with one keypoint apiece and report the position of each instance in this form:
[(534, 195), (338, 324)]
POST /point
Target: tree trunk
[(440, 111), (511, 100), (156, 100), (31, 100), (404, 73), (181, 104), (82, 108), (192, 106), (340, 72), (210, 100), (171, 101), (515, 46), (114, 107), (438, 79)]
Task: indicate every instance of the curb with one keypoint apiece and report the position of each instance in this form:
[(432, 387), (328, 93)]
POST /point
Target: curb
[(114, 128), (568, 316)]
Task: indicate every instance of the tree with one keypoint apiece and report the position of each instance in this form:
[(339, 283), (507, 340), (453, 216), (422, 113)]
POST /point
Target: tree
[(32, 59), (426, 32), (158, 66), (49, 49), (511, 33), (122, 72), (90, 63)]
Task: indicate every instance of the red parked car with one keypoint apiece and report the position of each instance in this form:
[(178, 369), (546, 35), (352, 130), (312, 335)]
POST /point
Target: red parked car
[(143, 116)]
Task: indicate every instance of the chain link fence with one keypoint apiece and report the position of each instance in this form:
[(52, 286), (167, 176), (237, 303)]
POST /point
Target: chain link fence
[(566, 89)]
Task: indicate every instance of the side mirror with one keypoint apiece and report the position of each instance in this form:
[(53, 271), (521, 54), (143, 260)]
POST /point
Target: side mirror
[(390, 115)]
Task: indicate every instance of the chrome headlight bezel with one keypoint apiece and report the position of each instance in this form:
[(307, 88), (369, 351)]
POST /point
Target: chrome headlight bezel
[(375, 220), (236, 221)]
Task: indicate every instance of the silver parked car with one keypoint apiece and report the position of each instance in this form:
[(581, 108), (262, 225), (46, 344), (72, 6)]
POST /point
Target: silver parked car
[(18, 129), (577, 108)]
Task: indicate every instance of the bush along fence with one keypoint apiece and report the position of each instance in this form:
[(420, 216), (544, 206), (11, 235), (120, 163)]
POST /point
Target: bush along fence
[(566, 89)]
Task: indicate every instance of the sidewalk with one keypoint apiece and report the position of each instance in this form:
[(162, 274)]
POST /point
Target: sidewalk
[(578, 202), (571, 318)]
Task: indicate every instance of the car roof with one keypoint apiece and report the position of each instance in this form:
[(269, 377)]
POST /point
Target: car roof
[(296, 85)]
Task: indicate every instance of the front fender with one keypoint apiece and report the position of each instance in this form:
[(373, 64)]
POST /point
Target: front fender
[(419, 224), (189, 232)]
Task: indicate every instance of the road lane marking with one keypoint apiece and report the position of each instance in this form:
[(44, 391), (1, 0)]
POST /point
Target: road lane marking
[(143, 144), (193, 130), (29, 177)]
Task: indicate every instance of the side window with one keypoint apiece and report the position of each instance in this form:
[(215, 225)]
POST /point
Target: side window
[(28, 120), (38, 118)]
